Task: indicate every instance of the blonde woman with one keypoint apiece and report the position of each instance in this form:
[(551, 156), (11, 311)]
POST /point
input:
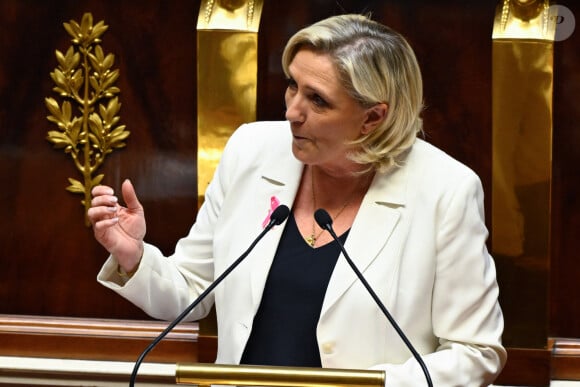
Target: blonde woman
[(410, 216)]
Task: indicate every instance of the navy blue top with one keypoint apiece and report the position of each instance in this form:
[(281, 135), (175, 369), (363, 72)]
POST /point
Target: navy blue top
[(284, 329)]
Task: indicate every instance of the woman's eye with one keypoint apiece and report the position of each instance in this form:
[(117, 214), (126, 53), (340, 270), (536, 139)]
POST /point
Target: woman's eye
[(318, 100), (291, 83)]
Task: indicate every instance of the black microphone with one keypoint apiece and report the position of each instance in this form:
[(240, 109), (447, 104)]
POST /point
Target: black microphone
[(325, 222), (278, 216)]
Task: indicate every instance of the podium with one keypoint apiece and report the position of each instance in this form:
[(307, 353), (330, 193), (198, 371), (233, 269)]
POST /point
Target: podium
[(59, 351), (70, 372), (245, 375)]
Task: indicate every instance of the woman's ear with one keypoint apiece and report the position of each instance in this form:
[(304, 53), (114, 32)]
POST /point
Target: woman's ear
[(375, 115)]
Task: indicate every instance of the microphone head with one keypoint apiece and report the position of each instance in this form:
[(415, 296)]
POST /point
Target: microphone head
[(323, 218), (280, 214)]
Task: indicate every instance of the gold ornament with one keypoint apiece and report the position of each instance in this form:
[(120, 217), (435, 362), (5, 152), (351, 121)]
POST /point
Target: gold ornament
[(87, 120)]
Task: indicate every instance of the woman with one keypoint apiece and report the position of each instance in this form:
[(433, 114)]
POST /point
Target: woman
[(410, 216)]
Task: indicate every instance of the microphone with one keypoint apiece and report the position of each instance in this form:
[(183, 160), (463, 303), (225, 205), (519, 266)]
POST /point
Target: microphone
[(325, 222), (278, 216)]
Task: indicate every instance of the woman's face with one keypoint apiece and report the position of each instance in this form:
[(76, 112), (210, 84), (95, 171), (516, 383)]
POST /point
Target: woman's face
[(323, 117)]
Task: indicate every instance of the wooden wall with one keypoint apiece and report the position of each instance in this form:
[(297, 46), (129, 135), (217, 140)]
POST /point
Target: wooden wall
[(49, 259)]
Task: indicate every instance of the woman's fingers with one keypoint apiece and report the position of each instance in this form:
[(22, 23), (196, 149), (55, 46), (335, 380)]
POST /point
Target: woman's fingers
[(102, 190), (102, 212), (102, 225), (104, 206)]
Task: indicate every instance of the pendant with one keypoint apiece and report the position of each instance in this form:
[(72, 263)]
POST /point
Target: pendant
[(311, 240)]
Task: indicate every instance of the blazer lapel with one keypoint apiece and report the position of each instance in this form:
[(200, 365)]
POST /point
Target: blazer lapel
[(279, 179), (370, 232)]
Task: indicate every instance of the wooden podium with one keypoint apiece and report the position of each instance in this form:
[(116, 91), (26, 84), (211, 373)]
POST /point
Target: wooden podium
[(57, 351)]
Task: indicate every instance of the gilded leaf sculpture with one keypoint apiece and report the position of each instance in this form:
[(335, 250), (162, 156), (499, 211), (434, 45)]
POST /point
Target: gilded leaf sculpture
[(87, 119)]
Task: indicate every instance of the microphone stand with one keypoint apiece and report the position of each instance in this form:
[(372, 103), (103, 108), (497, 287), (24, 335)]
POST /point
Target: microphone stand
[(278, 216), (325, 222)]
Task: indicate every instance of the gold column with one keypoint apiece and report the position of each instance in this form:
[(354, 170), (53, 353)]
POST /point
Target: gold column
[(227, 77), (523, 39), (227, 67)]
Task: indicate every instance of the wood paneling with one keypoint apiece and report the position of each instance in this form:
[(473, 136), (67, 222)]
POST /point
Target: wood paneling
[(49, 258), (526, 367), (565, 219), (97, 339), (565, 358)]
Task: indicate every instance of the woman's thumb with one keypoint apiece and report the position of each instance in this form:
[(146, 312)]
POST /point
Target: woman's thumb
[(129, 195)]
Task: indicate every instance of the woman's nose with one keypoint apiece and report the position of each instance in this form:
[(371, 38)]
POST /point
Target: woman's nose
[(294, 109)]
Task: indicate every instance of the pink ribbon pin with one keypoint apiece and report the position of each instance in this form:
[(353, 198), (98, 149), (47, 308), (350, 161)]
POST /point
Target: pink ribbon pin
[(274, 203)]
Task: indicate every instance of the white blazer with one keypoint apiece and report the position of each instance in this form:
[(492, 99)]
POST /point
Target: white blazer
[(418, 238)]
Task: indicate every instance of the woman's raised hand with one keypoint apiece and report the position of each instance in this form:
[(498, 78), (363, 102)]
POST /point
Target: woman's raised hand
[(119, 229)]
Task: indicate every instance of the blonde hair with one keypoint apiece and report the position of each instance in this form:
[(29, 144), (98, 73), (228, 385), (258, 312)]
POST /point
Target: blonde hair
[(376, 65)]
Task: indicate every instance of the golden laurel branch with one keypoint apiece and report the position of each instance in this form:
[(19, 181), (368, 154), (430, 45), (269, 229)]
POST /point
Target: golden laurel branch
[(85, 81)]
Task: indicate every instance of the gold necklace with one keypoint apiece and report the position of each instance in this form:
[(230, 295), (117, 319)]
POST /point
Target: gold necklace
[(311, 240)]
